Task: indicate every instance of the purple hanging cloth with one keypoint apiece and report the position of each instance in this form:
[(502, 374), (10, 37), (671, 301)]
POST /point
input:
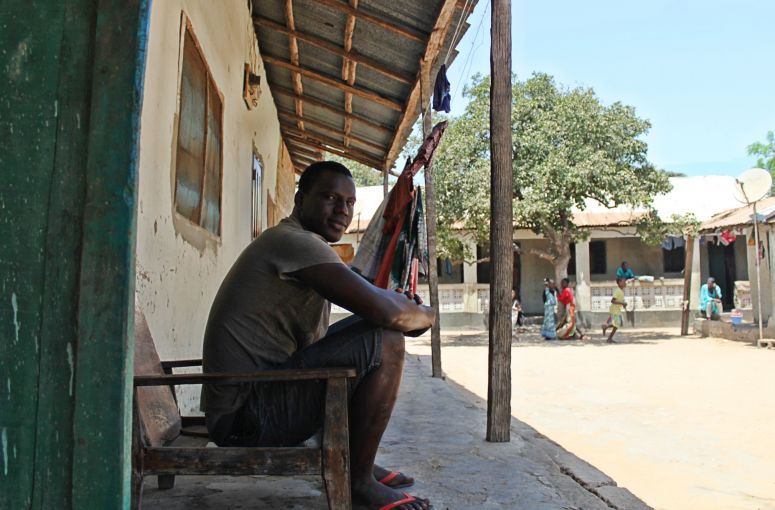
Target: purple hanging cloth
[(441, 96)]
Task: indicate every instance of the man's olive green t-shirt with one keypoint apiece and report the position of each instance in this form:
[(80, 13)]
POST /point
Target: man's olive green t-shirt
[(261, 315)]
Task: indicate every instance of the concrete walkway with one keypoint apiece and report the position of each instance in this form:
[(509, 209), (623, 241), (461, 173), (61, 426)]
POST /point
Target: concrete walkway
[(436, 435)]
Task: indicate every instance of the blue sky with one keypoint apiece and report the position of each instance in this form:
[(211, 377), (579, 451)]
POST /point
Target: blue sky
[(703, 72)]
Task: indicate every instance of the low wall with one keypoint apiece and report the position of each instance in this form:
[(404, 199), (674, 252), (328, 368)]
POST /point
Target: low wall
[(747, 332)]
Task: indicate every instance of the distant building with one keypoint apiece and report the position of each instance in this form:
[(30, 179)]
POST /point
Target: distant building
[(464, 288)]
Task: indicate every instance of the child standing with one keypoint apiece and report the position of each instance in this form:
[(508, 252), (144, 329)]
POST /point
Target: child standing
[(616, 310)]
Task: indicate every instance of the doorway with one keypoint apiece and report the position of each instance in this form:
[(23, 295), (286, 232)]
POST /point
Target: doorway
[(721, 264)]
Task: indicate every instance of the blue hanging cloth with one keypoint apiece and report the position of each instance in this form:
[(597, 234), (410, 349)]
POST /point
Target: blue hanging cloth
[(441, 96)]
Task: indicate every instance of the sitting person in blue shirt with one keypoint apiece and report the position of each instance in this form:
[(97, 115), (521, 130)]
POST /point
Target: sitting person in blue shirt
[(710, 300), (625, 271)]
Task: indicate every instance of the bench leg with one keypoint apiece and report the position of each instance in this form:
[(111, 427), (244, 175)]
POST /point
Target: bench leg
[(336, 446), (166, 482)]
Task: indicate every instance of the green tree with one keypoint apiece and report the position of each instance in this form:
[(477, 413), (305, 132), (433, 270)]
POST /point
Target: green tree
[(362, 175), (766, 153), (568, 147)]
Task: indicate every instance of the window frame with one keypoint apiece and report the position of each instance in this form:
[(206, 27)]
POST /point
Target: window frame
[(211, 91), (667, 257)]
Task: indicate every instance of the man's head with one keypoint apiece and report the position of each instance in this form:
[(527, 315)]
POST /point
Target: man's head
[(621, 282), (711, 283), (625, 265), (325, 200), (564, 283)]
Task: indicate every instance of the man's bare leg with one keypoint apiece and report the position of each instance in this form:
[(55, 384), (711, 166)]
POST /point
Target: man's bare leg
[(611, 336), (370, 410)]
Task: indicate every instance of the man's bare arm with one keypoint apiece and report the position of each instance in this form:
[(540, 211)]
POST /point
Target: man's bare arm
[(386, 308)]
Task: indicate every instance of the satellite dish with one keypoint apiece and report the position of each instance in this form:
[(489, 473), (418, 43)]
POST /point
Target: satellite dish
[(752, 185)]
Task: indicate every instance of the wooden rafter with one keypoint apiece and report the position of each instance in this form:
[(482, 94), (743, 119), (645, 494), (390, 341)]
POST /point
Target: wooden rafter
[(333, 48), (348, 71), (333, 82), (421, 90), (325, 141), (375, 20), (334, 148), (329, 129), (294, 52), (328, 107), (317, 154)]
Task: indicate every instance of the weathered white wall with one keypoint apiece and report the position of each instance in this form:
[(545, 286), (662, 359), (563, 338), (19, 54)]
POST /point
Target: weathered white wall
[(179, 265)]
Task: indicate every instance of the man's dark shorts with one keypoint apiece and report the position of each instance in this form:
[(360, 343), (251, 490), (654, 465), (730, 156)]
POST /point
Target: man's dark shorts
[(286, 414)]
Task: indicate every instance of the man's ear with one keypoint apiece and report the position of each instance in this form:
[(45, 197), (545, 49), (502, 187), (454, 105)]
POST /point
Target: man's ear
[(297, 199)]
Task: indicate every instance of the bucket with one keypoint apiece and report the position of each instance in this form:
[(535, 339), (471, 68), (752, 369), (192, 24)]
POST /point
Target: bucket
[(736, 318)]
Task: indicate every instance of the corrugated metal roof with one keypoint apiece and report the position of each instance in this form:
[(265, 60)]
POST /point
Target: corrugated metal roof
[(323, 105), (702, 196), (740, 216)]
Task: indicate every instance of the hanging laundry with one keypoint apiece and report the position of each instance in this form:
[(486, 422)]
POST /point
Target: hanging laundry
[(441, 95), (394, 249), (727, 238)]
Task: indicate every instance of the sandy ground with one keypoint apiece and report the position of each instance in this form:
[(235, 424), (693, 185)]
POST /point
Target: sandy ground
[(684, 423)]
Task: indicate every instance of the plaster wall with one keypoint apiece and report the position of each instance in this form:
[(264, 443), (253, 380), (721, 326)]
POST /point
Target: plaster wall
[(180, 265)]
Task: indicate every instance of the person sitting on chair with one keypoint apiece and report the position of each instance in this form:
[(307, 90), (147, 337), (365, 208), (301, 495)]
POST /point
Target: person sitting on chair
[(710, 300), (271, 312)]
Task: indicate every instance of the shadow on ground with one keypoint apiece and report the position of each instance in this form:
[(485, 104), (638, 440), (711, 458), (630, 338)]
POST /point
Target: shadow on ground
[(436, 435)]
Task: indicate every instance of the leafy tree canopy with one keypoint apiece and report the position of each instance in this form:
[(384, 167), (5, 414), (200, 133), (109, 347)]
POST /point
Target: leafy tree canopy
[(766, 152), (568, 147)]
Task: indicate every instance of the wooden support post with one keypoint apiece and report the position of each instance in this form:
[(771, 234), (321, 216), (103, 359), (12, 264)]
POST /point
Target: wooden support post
[(501, 226), (433, 277), (687, 286)]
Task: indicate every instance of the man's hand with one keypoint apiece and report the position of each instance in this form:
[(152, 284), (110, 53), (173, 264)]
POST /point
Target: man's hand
[(408, 293)]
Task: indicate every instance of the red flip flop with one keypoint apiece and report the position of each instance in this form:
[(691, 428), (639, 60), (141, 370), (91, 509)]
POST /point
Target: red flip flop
[(391, 476), (407, 499)]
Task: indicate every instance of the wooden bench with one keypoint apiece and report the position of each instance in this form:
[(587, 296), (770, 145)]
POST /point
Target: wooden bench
[(166, 444)]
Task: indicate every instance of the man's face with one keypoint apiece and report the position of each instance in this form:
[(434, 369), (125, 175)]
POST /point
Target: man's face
[(622, 283), (327, 208), (711, 285)]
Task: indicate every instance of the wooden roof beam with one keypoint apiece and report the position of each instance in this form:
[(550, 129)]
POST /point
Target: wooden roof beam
[(422, 86), (325, 140), (294, 53), (333, 48), (375, 20), (333, 82), (348, 72), (329, 128), (317, 154), (328, 107), (338, 149)]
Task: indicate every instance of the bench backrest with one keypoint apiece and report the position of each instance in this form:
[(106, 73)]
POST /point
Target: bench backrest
[(158, 410)]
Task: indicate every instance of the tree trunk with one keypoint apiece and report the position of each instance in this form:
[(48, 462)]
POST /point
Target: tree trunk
[(501, 242), (561, 266)]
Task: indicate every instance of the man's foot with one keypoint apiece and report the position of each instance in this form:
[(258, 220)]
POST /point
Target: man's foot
[(604, 329), (611, 341), (372, 495), (393, 479)]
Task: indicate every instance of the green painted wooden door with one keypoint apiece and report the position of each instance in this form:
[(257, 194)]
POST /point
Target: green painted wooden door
[(70, 96)]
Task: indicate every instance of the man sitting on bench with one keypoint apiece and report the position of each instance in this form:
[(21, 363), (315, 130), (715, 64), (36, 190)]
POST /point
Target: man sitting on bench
[(272, 312)]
